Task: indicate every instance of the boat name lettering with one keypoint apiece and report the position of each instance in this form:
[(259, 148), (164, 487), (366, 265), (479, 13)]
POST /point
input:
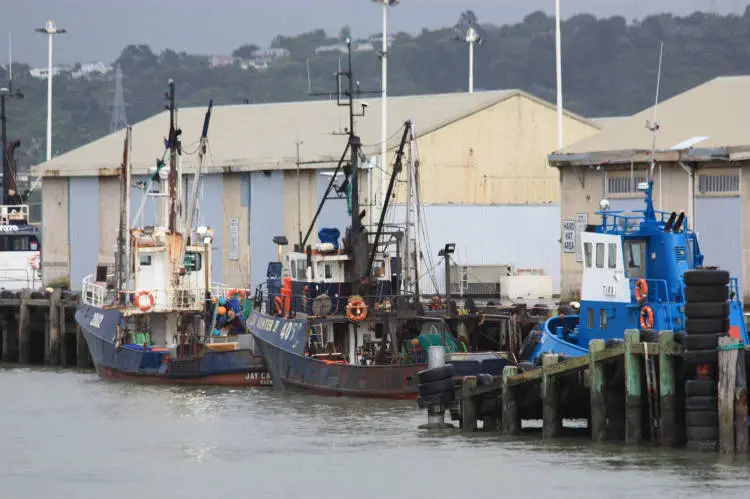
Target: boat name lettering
[(8, 228), (608, 290), (96, 320), (260, 376)]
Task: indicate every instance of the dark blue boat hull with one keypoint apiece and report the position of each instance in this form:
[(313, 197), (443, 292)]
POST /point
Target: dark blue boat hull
[(225, 368)]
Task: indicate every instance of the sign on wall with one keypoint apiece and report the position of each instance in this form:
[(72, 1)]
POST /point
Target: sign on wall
[(234, 238), (582, 220), (569, 236)]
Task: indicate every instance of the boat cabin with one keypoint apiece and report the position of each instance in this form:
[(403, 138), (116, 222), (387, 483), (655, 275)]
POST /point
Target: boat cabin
[(20, 263)]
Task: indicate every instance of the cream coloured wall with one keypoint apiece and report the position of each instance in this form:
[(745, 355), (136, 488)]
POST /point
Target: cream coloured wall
[(109, 218), (55, 247), (234, 272), (496, 156)]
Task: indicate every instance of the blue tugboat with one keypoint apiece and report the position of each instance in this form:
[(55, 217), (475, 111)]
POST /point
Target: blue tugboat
[(635, 276), (157, 319)]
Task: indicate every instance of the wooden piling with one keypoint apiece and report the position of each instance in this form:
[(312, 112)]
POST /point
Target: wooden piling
[(728, 361), (668, 424), (741, 437), (82, 353), (633, 392), (63, 316), (511, 413), (598, 417), (469, 404), (52, 330), (551, 418), (6, 346), (24, 330)]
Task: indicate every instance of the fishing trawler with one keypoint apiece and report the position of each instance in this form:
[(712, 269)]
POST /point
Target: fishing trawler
[(157, 318), (339, 319), (634, 267)]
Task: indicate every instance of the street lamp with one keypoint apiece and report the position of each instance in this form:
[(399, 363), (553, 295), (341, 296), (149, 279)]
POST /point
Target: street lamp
[(446, 253), (50, 29), (7, 177)]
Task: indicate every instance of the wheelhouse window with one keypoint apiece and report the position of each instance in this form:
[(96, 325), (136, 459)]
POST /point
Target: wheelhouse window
[(301, 265), (634, 258), (612, 255), (587, 254), (590, 318), (603, 318), (19, 243), (145, 260), (600, 255), (327, 272), (378, 268)]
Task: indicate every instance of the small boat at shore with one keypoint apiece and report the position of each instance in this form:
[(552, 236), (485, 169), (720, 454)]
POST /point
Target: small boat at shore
[(156, 317)]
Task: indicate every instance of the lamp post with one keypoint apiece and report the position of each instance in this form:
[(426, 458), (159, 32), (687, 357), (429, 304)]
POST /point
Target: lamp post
[(446, 253), (558, 70), (7, 177), (472, 37), (50, 29)]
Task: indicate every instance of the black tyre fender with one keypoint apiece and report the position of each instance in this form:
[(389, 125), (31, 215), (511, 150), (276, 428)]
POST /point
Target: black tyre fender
[(701, 418), (441, 398), (441, 385), (706, 326), (702, 341), (695, 357), (679, 338), (701, 388), (708, 310), (701, 404), (706, 293), (703, 277), (649, 336), (702, 433), (526, 366), (435, 374), (485, 379), (528, 345)]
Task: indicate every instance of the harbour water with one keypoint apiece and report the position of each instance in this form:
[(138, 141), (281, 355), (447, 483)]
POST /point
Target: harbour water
[(68, 434)]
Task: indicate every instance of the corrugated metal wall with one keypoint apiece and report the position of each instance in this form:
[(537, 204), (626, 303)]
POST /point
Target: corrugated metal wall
[(719, 226), (525, 236), (83, 228), (334, 212), (266, 221)]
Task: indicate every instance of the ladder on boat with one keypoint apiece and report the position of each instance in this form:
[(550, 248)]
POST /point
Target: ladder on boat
[(652, 394)]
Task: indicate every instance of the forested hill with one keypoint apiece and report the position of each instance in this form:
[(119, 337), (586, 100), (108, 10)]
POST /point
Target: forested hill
[(609, 68)]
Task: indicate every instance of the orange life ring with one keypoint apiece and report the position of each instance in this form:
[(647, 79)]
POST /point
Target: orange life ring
[(647, 318), (356, 309), (437, 303), (233, 292), (144, 307), (641, 289)]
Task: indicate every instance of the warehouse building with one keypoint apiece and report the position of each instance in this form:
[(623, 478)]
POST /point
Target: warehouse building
[(702, 154), (485, 181)]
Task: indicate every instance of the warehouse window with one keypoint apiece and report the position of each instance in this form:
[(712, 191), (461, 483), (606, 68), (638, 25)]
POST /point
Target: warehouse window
[(624, 184), (718, 183)]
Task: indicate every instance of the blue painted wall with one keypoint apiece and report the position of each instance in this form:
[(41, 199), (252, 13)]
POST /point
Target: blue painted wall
[(718, 221), (526, 236), (266, 221), (334, 212), (83, 228), (212, 215), (149, 208)]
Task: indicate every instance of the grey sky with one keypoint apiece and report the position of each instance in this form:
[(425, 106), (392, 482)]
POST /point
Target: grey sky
[(99, 29)]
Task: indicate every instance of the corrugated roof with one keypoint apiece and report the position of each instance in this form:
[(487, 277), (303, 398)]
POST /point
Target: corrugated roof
[(264, 136), (707, 117)]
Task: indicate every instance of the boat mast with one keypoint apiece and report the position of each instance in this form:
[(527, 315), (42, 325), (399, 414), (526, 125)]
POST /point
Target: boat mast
[(123, 240), (653, 127), (173, 146), (196, 181)]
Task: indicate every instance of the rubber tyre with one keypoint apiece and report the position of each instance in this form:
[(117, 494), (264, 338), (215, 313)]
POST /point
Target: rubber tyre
[(439, 386), (703, 277), (679, 338), (716, 310), (649, 336), (695, 357), (435, 374), (701, 418), (441, 398), (701, 404), (701, 388), (702, 433), (485, 379), (706, 293), (702, 341), (706, 326), (528, 345), (526, 366)]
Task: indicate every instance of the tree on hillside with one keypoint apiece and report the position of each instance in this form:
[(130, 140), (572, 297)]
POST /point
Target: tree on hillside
[(245, 51)]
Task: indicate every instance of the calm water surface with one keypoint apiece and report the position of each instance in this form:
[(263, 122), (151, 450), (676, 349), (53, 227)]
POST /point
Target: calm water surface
[(70, 435)]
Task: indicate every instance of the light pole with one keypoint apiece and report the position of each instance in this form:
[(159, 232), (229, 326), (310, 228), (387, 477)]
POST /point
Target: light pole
[(472, 37), (558, 59), (384, 109), (50, 29)]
